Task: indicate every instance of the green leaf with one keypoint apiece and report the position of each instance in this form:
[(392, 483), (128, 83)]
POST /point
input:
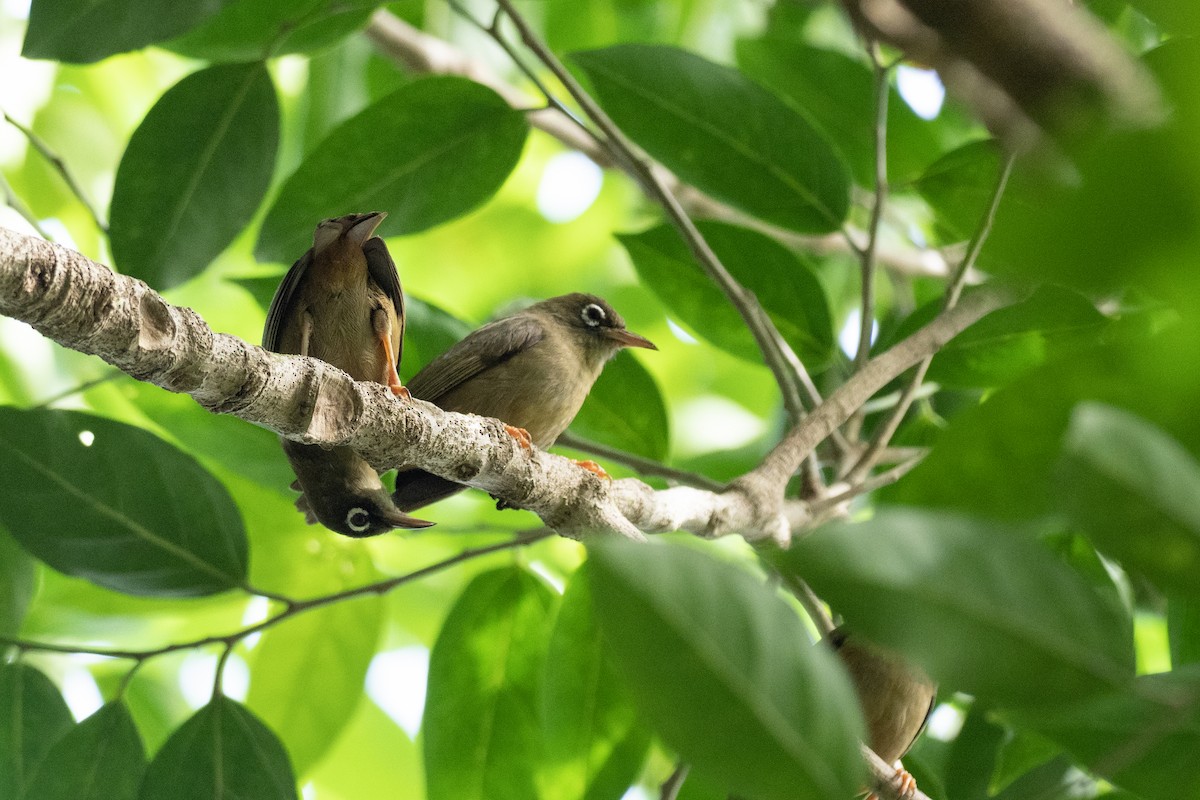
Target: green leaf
[(724, 670), (82, 31), (959, 187), (981, 607), (625, 410), (482, 736), (194, 173), (246, 30), (307, 675), (594, 745), (246, 450), (785, 285), (101, 758), (1132, 489), (1183, 627), (34, 716), (1008, 343), (222, 753), (18, 582), (1144, 738), (428, 332), (973, 756), (428, 152), (722, 133), (125, 510), (838, 93)]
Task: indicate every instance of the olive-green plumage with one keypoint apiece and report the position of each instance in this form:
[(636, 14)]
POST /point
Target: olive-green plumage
[(896, 697), (532, 370), (342, 303)]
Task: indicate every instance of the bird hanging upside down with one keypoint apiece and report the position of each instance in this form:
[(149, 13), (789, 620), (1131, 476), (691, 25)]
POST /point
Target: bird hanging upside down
[(342, 303)]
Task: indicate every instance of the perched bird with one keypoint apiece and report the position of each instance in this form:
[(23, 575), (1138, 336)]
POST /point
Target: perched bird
[(531, 370), (896, 697), (342, 303)]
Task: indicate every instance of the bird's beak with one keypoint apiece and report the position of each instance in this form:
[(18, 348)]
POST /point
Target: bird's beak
[(629, 338), (401, 520), (364, 228)]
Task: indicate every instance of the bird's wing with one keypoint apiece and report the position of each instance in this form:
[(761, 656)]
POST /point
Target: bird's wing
[(383, 271), (481, 350), (282, 301)]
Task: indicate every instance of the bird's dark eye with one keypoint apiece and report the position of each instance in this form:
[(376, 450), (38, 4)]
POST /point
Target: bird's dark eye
[(358, 520), (593, 315)]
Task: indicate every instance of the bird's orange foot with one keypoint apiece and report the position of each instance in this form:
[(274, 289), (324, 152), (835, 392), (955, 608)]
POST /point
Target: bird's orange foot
[(594, 468), (400, 391), (906, 785), (521, 435)]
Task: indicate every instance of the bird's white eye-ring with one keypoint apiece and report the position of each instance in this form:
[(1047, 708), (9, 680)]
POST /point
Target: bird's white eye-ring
[(358, 520), (593, 315)]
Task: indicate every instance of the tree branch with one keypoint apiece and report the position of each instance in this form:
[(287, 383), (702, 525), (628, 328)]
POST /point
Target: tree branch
[(85, 306), (782, 462)]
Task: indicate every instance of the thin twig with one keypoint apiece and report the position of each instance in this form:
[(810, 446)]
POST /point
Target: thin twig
[(867, 317), (493, 31), (60, 166), (296, 607), (625, 153), (80, 388), (644, 466), (809, 601), (672, 785), (888, 428)]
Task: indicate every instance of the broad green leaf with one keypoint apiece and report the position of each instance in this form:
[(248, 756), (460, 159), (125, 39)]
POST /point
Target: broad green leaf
[(785, 285), (81, 31), (35, 717), (222, 753), (594, 744), (1172, 16), (194, 173), (1024, 750), (18, 582), (428, 332), (1183, 627), (116, 505), (1055, 780), (246, 450), (1008, 343), (481, 724), (247, 30), (981, 607), (307, 675), (625, 410), (838, 93), (959, 187), (101, 758), (973, 755), (430, 151), (1132, 489), (724, 670), (1144, 738), (723, 133)]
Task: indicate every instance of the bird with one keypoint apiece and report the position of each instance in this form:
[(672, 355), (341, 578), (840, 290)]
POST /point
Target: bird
[(531, 370), (342, 302), (896, 697)]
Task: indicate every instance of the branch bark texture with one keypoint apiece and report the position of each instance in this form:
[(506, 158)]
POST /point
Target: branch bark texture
[(87, 307)]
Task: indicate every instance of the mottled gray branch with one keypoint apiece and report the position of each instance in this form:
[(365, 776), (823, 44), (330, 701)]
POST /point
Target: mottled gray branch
[(85, 306)]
